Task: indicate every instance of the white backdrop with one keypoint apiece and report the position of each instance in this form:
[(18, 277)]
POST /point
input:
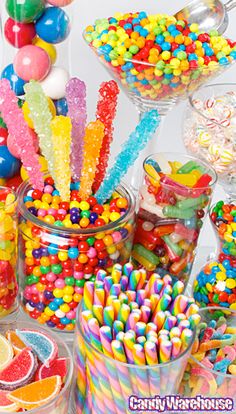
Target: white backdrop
[(87, 67)]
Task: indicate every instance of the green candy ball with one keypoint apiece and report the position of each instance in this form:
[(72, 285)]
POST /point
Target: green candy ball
[(25, 11)]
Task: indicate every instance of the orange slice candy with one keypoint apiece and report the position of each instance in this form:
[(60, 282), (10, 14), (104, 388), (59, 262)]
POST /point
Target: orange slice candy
[(16, 342), (36, 394)]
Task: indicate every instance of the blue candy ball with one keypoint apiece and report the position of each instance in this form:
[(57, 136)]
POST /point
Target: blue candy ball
[(9, 165), (17, 84), (61, 106), (53, 26)]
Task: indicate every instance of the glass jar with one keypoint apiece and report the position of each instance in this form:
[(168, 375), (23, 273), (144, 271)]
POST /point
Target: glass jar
[(59, 404), (171, 214), (52, 277), (104, 382), (209, 128), (200, 377), (8, 252)]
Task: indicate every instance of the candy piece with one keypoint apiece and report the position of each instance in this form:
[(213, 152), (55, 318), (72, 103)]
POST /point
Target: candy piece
[(76, 100), (53, 26), (19, 370), (21, 132), (61, 139), (7, 406), (32, 62), (44, 346), (130, 151), (54, 85), (19, 34), (25, 12), (92, 144), (106, 112), (36, 394), (41, 117), (58, 367), (6, 352), (15, 341)]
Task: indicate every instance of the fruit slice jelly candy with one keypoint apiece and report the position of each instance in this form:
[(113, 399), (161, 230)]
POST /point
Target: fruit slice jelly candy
[(19, 371), (15, 341), (58, 367), (6, 406), (6, 352), (44, 346), (36, 394)]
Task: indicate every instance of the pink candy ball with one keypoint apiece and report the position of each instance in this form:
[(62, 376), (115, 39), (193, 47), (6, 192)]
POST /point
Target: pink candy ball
[(32, 62), (60, 3)]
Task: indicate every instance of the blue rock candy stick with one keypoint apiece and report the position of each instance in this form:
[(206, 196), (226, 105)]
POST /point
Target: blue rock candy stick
[(129, 153)]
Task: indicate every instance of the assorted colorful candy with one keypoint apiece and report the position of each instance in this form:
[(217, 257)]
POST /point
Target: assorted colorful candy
[(157, 56), (209, 130), (215, 349), (31, 372), (136, 321), (173, 204), (8, 252), (56, 261)]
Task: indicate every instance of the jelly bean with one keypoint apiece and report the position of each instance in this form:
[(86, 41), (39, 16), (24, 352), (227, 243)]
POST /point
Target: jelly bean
[(175, 212), (195, 202)]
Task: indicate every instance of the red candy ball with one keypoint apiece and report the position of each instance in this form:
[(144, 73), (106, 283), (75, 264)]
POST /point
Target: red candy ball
[(3, 136), (19, 34)]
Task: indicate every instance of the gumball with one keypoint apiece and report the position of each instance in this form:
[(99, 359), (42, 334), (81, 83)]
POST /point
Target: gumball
[(54, 85), (61, 106), (2, 181), (48, 47), (53, 26), (17, 84), (26, 112), (13, 147), (9, 165), (60, 3), (25, 11), (3, 136), (19, 34), (14, 182), (44, 167), (32, 62)]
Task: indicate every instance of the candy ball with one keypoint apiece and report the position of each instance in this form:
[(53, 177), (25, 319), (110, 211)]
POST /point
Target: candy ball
[(19, 34), (25, 11), (54, 85), (48, 47), (61, 106), (17, 84), (2, 181), (53, 26), (3, 136), (13, 147), (9, 165), (44, 167), (32, 62), (14, 182), (60, 3), (26, 112)]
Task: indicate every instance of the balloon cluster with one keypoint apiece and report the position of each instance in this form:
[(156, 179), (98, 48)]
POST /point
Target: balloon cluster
[(34, 27)]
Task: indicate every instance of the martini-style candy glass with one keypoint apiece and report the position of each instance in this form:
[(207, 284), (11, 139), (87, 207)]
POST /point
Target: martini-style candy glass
[(151, 85)]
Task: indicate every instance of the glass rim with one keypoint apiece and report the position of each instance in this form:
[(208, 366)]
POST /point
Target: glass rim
[(212, 371), (189, 157), (123, 187), (59, 340), (192, 104), (11, 191), (124, 364)]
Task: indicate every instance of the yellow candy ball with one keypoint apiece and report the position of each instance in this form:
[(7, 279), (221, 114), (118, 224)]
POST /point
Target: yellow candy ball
[(44, 167), (65, 308), (48, 47), (62, 256)]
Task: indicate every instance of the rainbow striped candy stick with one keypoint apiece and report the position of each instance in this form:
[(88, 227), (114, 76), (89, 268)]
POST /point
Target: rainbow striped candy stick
[(141, 372), (154, 373)]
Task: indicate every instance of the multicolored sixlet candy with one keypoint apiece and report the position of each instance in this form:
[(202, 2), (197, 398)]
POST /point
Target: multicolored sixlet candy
[(156, 56)]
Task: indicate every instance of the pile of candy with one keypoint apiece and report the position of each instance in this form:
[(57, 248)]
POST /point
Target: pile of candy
[(133, 321), (216, 283), (8, 246), (215, 349), (31, 372), (156, 56), (209, 131), (174, 200), (57, 263)]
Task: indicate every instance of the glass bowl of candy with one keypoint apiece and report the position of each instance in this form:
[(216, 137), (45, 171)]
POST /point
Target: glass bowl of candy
[(174, 200), (63, 244), (156, 58), (209, 129), (36, 369), (211, 370)]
